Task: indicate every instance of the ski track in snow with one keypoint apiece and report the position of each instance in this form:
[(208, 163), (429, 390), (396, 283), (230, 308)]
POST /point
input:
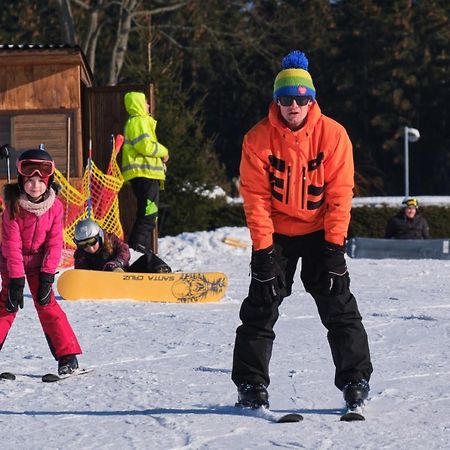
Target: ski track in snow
[(161, 376)]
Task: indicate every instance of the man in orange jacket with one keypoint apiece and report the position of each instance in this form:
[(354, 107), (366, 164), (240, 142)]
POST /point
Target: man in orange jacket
[(297, 184)]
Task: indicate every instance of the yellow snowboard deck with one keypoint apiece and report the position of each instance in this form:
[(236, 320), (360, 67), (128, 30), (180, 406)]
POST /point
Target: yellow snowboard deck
[(179, 287)]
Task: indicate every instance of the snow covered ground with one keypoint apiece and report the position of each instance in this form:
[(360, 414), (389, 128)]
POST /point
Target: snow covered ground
[(161, 376)]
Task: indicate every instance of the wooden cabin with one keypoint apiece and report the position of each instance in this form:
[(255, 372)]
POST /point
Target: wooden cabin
[(42, 92), (47, 95)]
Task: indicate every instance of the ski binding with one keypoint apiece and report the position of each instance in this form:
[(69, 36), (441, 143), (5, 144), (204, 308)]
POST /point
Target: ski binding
[(353, 414)]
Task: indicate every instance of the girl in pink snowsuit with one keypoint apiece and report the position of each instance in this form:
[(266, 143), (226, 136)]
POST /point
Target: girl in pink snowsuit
[(32, 241)]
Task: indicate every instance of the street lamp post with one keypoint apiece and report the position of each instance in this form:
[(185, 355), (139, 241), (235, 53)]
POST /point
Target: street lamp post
[(411, 135)]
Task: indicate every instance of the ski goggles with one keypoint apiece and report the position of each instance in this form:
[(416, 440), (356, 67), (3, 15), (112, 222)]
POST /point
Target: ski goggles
[(87, 242), (287, 100), (31, 167)]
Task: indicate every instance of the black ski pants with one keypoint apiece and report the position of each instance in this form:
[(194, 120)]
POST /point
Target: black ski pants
[(339, 314), (146, 192)]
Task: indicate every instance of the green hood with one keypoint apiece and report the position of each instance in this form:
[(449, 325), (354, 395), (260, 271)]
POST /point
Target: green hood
[(136, 104)]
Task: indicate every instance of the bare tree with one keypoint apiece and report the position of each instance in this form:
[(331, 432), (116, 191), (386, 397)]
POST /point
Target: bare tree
[(127, 10), (94, 27), (66, 19), (132, 11), (132, 14)]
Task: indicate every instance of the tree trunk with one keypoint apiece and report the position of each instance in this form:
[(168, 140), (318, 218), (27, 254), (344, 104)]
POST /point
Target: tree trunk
[(67, 25), (94, 27), (121, 43)]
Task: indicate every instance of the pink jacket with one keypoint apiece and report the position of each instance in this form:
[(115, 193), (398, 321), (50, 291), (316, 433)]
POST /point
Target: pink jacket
[(33, 241)]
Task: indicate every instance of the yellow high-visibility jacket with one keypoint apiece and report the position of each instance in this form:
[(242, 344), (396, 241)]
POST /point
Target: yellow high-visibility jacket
[(142, 153)]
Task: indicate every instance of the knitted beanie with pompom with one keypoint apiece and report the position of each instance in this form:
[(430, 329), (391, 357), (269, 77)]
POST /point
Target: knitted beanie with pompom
[(294, 78)]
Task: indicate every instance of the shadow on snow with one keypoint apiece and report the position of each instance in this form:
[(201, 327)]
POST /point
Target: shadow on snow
[(212, 410)]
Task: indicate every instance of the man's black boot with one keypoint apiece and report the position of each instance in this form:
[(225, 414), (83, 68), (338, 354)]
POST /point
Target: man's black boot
[(252, 396), (355, 393)]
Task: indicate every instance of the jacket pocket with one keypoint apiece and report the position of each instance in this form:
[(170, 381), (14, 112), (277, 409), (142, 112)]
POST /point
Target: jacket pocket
[(314, 164)]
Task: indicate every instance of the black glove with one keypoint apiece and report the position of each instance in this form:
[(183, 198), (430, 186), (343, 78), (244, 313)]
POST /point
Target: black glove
[(15, 294), (45, 288), (115, 265), (4, 151), (266, 277), (335, 279)]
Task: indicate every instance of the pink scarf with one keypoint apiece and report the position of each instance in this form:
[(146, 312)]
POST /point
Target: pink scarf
[(38, 208)]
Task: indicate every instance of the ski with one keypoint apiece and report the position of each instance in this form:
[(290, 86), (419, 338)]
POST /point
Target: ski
[(53, 377), (290, 418), (353, 414), (7, 376), (269, 415)]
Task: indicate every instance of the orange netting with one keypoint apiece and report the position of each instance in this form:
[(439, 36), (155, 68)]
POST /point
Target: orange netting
[(98, 195)]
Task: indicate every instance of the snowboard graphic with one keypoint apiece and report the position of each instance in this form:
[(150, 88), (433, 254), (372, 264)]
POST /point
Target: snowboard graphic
[(180, 287)]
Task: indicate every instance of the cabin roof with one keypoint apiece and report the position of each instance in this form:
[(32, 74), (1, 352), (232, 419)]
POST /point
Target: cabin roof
[(11, 54)]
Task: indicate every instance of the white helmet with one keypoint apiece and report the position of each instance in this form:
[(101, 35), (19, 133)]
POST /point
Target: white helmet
[(87, 229)]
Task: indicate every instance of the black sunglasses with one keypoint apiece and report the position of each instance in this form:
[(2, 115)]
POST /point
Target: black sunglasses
[(286, 100), (87, 243)]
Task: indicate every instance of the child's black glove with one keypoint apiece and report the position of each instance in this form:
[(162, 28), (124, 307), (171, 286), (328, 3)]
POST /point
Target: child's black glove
[(15, 294), (266, 277), (115, 265), (335, 279), (45, 288)]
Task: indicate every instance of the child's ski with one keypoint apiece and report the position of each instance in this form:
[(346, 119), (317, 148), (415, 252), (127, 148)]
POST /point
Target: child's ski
[(7, 376), (53, 377)]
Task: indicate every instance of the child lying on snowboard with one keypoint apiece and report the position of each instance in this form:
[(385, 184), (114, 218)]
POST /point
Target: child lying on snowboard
[(97, 250)]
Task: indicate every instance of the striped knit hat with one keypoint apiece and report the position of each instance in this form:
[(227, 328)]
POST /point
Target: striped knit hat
[(294, 78)]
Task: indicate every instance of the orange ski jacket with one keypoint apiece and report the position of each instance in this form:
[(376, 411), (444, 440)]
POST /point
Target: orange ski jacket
[(297, 182)]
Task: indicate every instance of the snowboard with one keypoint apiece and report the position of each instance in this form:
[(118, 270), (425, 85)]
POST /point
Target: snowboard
[(236, 242), (180, 287)]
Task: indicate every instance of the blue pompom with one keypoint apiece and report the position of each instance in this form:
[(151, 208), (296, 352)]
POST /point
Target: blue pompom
[(295, 60)]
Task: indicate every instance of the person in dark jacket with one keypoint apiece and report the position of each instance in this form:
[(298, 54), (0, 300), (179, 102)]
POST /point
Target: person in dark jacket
[(97, 250), (407, 223)]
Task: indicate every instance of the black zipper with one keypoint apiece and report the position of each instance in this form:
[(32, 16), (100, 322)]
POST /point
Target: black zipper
[(303, 187), (32, 240), (288, 181)]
